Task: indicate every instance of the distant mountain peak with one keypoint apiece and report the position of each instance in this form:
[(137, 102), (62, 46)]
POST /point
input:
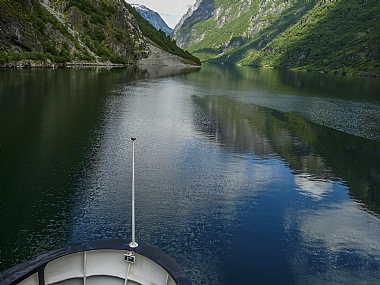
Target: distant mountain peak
[(141, 7), (152, 17)]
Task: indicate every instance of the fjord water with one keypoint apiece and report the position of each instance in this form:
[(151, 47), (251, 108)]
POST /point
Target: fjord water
[(243, 175)]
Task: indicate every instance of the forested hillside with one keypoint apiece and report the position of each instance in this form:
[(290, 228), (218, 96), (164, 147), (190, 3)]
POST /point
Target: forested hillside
[(317, 35), (47, 32)]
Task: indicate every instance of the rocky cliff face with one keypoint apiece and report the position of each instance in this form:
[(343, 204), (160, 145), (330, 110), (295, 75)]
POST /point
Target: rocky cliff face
[(190, 28), (204, 18), (317, 35), (200, 11), (71, 29), (153, 17)]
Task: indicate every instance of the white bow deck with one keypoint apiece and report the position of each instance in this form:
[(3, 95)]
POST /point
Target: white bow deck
[(99, 262)]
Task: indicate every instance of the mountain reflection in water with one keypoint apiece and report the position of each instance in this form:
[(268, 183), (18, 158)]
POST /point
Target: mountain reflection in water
[(313, 152)]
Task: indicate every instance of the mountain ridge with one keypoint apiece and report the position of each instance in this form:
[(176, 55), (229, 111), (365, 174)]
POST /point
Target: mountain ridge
[(153, 17)]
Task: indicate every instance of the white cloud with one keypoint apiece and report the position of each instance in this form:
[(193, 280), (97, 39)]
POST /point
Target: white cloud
[(312, 187), (170, 10), (342, 239)]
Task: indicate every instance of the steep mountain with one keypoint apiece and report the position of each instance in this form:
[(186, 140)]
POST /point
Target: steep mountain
[(317, 35), (152, 17), (49, 31)]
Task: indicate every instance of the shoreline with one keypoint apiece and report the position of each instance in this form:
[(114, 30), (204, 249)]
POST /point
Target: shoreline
[(21, 64), (156, 57)]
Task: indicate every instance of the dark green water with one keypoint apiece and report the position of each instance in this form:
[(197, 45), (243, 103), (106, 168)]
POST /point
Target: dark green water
[(242, 174)]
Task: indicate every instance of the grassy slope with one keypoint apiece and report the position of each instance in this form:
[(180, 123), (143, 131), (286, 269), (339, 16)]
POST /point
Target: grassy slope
[(213, 35), (332, 36)]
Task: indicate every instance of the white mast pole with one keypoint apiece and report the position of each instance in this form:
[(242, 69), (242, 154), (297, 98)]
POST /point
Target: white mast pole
[(133, 243)]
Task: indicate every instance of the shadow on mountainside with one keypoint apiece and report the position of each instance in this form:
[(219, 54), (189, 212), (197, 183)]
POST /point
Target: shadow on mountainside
[(344, 39)]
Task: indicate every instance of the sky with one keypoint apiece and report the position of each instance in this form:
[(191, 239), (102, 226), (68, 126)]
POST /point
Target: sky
[(170, 10)]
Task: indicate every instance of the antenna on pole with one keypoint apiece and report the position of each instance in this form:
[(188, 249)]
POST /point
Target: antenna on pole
[(133, 243)]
